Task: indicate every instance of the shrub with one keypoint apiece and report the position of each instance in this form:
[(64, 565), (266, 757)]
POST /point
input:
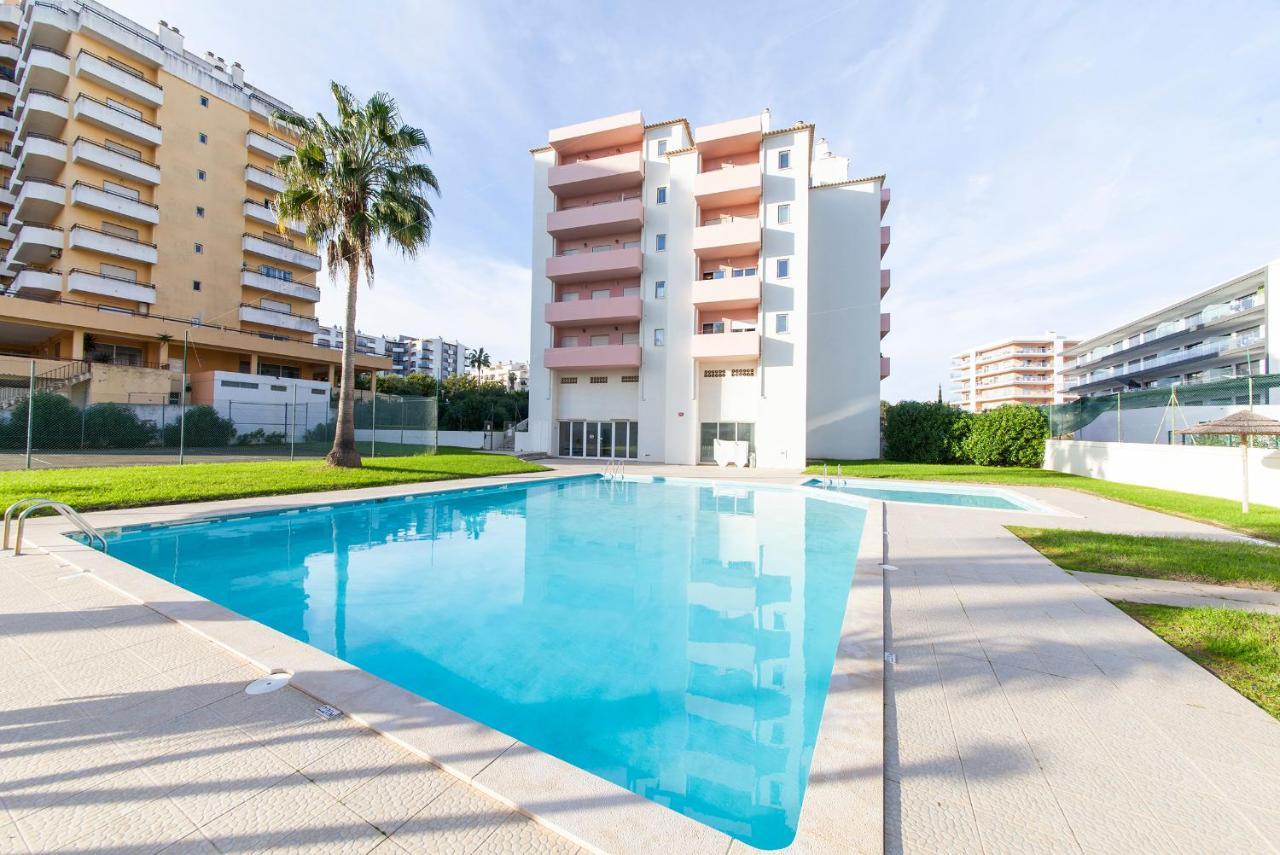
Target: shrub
[(1012, 435), (205, 429), (55, 422), (916, 432), (116, 426)]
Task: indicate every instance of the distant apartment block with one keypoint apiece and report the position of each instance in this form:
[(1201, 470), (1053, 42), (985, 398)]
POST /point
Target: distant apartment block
[(1018, 370), (136, 209), (436, 357), (1218, 334), (514, 375), (690, 286)]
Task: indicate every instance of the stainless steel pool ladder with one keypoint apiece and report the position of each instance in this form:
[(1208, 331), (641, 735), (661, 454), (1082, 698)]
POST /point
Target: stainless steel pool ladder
[(614, 470), (25, 507)]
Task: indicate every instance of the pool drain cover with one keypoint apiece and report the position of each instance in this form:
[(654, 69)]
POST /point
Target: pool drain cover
[(269, 683)]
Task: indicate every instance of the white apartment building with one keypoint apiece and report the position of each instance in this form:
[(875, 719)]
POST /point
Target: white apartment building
[(506, 373), (1017, 370), (437, 357), (1218, 334), (694, 286)]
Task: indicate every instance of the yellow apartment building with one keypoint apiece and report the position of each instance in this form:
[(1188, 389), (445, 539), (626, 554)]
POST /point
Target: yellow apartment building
[(136, 188)]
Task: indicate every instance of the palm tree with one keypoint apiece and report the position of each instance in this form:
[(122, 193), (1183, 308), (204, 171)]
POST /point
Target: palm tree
[(352, 183), (478, 358)]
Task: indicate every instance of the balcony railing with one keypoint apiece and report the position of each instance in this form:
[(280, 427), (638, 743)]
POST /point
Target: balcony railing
[(267, 179), (124, 164), (115, 119), (1200, 351), (278, 318), (1170, 328), (250, 278), (597, 356), (280, 250), (621, 263), (37, 284), (100, 199), (723, 346), (90, 282), (118, 77), (268, 145), (608, 310), (727, 236), (96, 240)]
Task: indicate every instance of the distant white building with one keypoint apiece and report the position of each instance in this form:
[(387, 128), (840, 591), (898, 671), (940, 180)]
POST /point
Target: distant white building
[(502, 372), (437, 357)]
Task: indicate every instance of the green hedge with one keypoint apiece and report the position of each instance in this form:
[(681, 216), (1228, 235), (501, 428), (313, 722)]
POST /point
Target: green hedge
[(932, 432)]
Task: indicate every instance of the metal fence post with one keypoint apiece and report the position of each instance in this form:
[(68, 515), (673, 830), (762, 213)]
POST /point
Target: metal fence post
[(31, 409), (293, 429), (1119, 417), (182, 402), (373, 385)]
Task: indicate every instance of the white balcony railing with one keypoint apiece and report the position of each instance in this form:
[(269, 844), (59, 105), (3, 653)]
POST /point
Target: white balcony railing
[(88, 196), (117, 120), (119, 78), (88, 282), (276, 285), (278, 319), (83, 237), (115, 162), (280, 252)]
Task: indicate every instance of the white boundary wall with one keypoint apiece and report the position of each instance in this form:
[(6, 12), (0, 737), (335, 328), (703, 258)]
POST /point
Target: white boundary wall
[(1203, 470), (456, 438)]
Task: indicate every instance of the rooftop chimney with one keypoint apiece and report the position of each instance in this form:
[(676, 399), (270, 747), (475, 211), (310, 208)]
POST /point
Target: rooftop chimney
[(170, 37), (237, 74), (765, 115)]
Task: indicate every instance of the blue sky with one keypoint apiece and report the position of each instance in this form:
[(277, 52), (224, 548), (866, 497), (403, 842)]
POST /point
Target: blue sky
[(1053, 166)]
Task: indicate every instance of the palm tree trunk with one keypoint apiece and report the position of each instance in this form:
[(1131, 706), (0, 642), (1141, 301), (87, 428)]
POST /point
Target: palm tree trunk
[(344, 452)]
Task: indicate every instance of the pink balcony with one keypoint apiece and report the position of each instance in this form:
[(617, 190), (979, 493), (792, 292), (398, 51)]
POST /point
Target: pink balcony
[(602, 219), (884, 240), (884, 282), (734, 292), (613, 172), (729, 137), (884, 367), (591, 266), (884, 199), (725, 346), (730, 185), (600, 356), (607, 310), (728, 237), (610, 131), (884, 324)]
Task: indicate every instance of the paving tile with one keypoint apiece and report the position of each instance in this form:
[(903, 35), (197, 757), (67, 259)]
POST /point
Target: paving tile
[(81, 813), (11, 840), (457, 821), (245, 773), (337, 831), (522, 835), (153, 827), (356, 761), (260, 821), (391, 798)]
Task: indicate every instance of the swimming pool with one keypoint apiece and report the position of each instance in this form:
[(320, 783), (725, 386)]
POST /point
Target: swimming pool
[(675, 638), (961, 496)]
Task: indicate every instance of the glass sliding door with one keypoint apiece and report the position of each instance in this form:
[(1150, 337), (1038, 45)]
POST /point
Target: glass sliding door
[(728, 431), (603, 439), (606, 439)]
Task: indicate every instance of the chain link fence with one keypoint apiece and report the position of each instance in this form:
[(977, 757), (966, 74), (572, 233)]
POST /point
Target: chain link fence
[(45, 422), (1153, 415)]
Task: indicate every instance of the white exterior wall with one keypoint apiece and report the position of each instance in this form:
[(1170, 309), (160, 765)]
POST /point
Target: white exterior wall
[(844, 322), (677, 267), (1272, 330), (268, 406), (1202, 470), (542, 388)]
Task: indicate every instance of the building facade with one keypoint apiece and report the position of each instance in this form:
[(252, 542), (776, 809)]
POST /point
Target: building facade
[(694, 286), (1218, 334), (436, 357), (514, 375), (137, 204), (1019, 370)]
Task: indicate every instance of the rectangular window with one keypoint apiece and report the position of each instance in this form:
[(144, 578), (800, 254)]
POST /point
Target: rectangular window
[(662, 195), (784, 214), (660, 243), (659, 337), (630, 378), (784, 159), (120, 190), (199, 249), (117, 272), (631, 291), (120, 231), (782, 324), (199, 211), (203, 137), (237, 384), (631, 338), (569, 296), (662, 147), (601, 294), (784, 268), (659, 290), (569, 341), (631, 244), (602, 247), (599, 340), (600, 379), (204, 101), (568, 381), (134, 153), (201, 174), (195, 284)]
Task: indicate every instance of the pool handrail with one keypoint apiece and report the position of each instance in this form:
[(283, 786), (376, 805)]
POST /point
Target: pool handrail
[(65, 510)]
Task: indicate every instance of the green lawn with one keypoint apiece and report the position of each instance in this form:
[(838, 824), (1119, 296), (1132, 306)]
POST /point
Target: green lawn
[(1242, 648), (1184, 559), (90, 489), (1262, 521)]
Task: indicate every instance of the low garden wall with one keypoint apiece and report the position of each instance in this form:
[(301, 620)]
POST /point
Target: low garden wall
[(1203, 470)]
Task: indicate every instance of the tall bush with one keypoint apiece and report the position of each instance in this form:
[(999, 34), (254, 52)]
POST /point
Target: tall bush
[(1012, 435), (115, 426), (916, 432), (205, 429), (55, 422)]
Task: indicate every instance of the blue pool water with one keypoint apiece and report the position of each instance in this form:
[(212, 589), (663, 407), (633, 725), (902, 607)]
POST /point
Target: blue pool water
[(968, 498), (674, 638)]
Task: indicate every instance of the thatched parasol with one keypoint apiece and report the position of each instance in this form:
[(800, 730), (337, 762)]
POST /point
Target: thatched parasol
[(1243, 424)]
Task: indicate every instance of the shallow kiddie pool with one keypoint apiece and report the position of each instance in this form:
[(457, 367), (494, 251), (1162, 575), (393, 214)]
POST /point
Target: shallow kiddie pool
[(675, 638), (959, 496)]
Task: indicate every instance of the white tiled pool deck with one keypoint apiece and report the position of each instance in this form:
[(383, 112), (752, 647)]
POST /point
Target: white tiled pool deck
[(1022, 713)]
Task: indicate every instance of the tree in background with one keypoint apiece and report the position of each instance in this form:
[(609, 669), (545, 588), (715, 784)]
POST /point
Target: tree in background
[(477, 359), (352, 183)]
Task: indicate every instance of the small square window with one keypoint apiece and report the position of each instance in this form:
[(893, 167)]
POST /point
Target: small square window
[(784, 268), (660, 243), (784, 214), (204, 100), (784, 159), (204, 138), (662, 195), (662, 147), (201, 174), (659, 290), (199, 211), (659, 337), (195, 285), (782, 324), (199, 249)]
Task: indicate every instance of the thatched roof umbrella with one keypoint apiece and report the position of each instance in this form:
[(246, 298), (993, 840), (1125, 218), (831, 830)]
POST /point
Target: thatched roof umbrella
[(1243, 424)]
